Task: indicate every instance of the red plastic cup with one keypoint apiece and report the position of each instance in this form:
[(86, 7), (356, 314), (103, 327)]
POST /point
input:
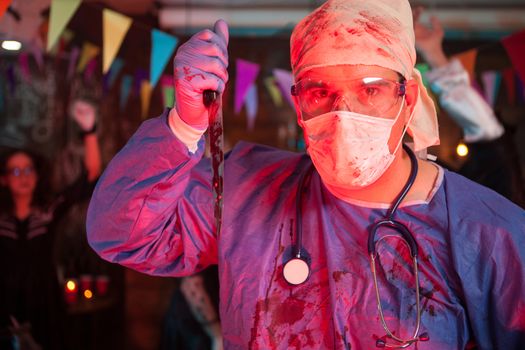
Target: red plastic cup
[(102, 284), (86, 282)]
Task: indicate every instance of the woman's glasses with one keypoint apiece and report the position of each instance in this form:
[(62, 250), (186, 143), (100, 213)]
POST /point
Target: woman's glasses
[(17, 172)]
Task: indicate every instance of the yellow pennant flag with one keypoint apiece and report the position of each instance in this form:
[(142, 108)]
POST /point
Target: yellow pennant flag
[(145, 97), (89, 51), (273, 90), (468, 60), (115, 27), (61, 13)]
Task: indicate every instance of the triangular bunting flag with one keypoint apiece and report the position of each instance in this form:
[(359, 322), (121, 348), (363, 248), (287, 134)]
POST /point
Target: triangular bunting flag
[(515, 47), (168, 91), (468, 60), (89, 51), (162, 46), (114, 71), (4, 4), (423, 68), (284, 81), (140, 75), (11, 79), (510, 85), (90, 69), (1, 95), (23, 62), (520, 90), (73, 58), (115, 27), (251, 102), (491, 84), (145, 97), (61, 13), (274, 92), (64, 39), (37, 55), (125, 89), (246, 74), (475, 86), (166, 80)]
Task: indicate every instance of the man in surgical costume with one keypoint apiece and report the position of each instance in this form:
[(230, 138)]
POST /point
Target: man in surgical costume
[(153, 208)]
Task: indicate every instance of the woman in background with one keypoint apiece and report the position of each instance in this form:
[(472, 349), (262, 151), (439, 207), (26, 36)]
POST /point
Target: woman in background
[(31, 301)]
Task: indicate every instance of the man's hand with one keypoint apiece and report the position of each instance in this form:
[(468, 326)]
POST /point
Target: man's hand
[(200, 64)]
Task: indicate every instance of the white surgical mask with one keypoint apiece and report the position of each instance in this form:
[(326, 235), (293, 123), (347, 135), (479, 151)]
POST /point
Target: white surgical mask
[(348, 149)]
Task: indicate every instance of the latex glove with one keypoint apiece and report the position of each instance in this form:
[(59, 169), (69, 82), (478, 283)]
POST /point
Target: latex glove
[(200, 64), (84, 114)]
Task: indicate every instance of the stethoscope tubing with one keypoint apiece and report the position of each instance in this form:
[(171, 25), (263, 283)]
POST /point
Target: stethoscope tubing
[(401, 229)]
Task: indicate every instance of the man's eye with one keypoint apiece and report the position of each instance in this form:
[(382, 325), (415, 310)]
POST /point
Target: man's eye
[(319, 93), (371, 91)]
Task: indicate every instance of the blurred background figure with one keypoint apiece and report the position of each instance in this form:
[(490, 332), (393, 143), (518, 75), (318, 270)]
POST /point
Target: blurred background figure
[(492, 160), (31, 298), (192, 320)]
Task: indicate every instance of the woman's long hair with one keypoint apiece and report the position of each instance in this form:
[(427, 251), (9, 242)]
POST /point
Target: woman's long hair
[(42, 192)]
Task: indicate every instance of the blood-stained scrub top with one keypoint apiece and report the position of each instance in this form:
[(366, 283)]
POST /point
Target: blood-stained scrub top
[(152, 211)]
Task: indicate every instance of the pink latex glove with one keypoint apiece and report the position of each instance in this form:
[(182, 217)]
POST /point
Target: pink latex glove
[(200, 64)]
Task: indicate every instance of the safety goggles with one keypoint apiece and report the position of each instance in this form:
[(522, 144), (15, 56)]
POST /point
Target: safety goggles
[(373, 96)]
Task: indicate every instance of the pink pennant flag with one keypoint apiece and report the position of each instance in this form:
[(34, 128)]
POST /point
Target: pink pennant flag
[(23, 61), (246, 74), (90, 69), (37, 55), (520, 89), (166, 80), (284, 81), (73, 58), (515, 47), (478, 88), (491, 84), (508, 77), (252, 103)]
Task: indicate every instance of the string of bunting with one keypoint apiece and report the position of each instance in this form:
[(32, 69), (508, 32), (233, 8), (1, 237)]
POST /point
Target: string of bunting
[(116, 26)]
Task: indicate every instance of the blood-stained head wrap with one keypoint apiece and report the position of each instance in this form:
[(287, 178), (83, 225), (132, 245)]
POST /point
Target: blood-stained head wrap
[(366, 32)]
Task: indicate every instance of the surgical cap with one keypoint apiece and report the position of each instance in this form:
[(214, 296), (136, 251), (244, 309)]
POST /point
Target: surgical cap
[(366, 32)]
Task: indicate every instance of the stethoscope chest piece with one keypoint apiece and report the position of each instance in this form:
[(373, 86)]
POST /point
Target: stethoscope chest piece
[(296, 271)]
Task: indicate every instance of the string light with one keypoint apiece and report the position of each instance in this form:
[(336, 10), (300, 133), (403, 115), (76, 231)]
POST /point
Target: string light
[(11, 45), (462, 149)]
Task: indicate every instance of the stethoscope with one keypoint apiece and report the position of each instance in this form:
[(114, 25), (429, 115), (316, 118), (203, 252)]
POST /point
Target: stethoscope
[(297, 269)]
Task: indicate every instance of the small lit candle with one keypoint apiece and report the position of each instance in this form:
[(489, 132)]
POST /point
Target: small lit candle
[(71, 291), (88, 294)]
